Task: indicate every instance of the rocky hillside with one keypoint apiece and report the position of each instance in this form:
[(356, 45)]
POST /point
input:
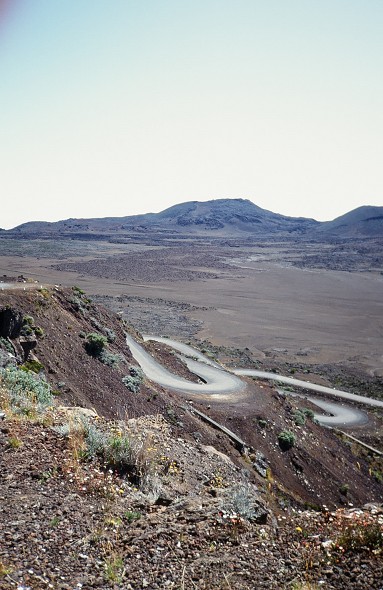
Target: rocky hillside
[(160, 513), (363, 221), (220, 216), (133, 490)]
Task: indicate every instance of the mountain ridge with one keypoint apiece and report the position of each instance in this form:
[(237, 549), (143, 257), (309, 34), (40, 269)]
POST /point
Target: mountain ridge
[(221, 217)]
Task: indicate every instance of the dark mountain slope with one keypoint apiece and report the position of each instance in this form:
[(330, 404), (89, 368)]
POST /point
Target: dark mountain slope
[(221, 216), (229, 214), (363, 221), (218, 217)]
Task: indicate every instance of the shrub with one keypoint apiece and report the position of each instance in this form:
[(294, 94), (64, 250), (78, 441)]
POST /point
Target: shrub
[(33, 366), (299, 418), (95, 344), (262, 423), (134, 380), (26, 392), (344, 488), (359, 536), (110, 359), (27, 327), (28, 320), (77, 290), (132, 516), (242, 502), (6, 359), (118, 452), (39, 332), (6, 345), (286, 440), (110, 335)]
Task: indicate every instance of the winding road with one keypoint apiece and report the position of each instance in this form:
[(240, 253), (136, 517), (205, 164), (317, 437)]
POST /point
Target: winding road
[(223, 385)]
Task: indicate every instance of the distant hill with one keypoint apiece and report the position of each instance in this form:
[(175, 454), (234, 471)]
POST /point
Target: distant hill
[(363, 221), (219, 217), (227, 216)]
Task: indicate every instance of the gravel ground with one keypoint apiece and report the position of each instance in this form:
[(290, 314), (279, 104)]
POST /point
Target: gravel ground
[(70, 523)]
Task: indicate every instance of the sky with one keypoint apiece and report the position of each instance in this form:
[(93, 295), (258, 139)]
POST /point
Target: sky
[(119, 107)]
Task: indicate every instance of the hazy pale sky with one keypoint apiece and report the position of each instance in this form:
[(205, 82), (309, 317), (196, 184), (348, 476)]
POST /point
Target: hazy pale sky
[(117, 107)]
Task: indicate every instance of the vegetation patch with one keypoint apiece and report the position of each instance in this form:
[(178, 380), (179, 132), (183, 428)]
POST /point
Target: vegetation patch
[(33, 366), (286, 440), (134, 379), (95, 344), (24, 392)]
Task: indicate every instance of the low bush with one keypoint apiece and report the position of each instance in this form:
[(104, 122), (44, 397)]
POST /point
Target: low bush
[(110, 335), (110, 359), (95, 344), (299, 418), (39, 332), (6, 345), (286, 440), (118, 451), (33, 366), (361, 536), (134, 380), (25, 392), (241, 501)]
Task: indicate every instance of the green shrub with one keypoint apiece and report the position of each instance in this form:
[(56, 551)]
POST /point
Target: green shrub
[(110, 359), (117, 451), (361, 536), (77, 290), (344, 489), (286, 440), (6, 345), (95, 344), (134, 380), (33, 366), (132, 516), (299, 418), (262, 423), (28, 320), (39, 332), (26, 392)]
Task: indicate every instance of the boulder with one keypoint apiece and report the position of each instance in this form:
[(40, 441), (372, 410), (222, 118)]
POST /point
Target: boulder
[(11, 322)]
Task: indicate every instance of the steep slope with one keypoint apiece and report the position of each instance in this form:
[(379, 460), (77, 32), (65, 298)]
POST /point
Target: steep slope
[(63, 318), (48, 328), (67, 522)]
